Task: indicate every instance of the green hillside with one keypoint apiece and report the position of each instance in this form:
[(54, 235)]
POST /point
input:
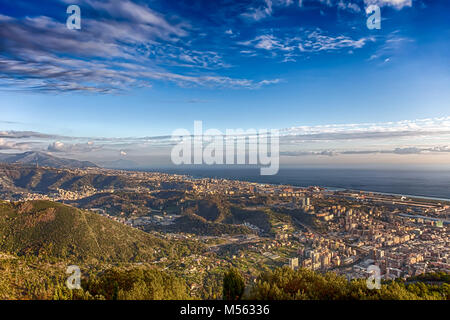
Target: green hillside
[(39, 239), (192, 223), (46, 228), (33, 278)]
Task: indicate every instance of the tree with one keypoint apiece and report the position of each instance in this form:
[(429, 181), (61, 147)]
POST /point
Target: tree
[(233, 285), (303, 284)]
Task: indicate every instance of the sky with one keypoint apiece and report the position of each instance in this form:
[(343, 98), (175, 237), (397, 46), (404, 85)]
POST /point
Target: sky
[(115, 89)]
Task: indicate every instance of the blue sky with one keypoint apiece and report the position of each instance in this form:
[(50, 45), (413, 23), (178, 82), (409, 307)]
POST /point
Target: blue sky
[(144, 68)]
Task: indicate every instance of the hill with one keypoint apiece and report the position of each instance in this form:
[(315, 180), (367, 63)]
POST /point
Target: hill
[(25, 178), (44, 160), (192, 223), (45, 228), (39, 239)]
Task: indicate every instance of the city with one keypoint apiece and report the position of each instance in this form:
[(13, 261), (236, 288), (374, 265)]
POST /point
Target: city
[(257, 226)]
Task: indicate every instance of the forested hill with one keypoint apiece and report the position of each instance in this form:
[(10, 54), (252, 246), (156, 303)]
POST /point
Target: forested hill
[(51, 229)]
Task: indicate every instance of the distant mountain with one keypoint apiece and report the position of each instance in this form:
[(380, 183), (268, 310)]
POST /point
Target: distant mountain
[(56, 230), (44, 160)]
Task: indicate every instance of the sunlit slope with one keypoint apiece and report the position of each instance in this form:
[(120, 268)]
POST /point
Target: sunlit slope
[(53, 229)]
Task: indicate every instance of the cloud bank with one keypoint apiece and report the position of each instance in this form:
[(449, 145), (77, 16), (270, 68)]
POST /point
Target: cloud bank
[(405, 138)]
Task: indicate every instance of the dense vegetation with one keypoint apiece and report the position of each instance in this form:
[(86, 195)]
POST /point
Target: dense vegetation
[(39, 239), (120, 203), (233, 285), (30, 278), (303, 284), (192, 223), (137, 284)]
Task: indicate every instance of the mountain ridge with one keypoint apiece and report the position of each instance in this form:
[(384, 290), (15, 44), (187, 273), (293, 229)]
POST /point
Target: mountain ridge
[(43, 159)]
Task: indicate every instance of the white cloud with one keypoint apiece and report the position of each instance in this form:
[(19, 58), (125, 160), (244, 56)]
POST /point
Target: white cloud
[(398, 4), (59, 146), (308, 41), (140, 14), (363, 130), (127, 46), (393, 45), (351, 6), (424, 137), (261, 12), (12, 145)]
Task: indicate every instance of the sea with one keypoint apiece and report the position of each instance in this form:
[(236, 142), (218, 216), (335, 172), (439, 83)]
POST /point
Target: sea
[(426, 183)]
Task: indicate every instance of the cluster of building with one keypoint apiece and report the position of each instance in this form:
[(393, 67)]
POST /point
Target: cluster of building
[(401, 245), (320, 253)]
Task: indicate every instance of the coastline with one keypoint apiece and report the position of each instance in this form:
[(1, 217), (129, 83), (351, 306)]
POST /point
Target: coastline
[(214, 175)]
